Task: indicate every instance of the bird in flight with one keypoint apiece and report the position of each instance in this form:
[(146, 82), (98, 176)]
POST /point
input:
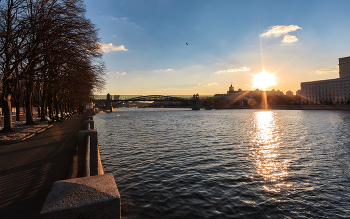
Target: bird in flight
[(187, 44)]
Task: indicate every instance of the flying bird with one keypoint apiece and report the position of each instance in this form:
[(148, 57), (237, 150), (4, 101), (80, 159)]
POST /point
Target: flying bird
[(187, 44)]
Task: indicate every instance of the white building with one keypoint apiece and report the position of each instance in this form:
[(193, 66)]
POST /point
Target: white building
[(336, 90), (329, 91)]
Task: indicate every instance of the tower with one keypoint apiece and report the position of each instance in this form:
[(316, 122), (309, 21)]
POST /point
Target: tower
[(231, 89)]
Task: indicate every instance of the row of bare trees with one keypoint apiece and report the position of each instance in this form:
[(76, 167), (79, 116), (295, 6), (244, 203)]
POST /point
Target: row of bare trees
[(50, 56)]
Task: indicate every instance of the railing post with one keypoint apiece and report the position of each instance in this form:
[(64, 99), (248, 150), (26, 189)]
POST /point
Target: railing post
[(87, 157), (91, 122), (82, 152), (93, 153), (88, 117)]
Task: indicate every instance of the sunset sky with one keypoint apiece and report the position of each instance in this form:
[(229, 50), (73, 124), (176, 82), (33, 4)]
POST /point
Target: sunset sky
[(145, 51)]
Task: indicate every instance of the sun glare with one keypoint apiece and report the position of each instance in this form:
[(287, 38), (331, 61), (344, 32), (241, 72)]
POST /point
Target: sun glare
[(264, 80)]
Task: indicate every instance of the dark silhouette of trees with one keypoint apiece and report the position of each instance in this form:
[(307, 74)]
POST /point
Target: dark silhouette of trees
[(50, 57)]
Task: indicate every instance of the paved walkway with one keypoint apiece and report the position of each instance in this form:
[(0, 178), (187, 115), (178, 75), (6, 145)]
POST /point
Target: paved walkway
[(29, 168)]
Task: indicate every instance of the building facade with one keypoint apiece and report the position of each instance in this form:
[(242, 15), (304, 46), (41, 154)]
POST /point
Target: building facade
[(332, 91)]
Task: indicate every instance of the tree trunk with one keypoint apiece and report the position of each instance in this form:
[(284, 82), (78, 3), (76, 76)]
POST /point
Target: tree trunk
[(17, 111), (49, 102), (6, 108), (28, 100), (39, 110), (43, 108), (56, 106), (29, 109)]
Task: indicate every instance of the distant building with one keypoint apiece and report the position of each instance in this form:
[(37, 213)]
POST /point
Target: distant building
[(326, 91), (231, 90), (289, 93), (116, 97), (298, 93), (241, 97), (331, 91)]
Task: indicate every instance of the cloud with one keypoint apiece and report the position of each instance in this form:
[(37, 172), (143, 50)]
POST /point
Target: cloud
[(279, 30), (115, 18), (110, 47), (166, 70), (289, 39), (233, 70), (207, 84), (117, 73), (326, 71)]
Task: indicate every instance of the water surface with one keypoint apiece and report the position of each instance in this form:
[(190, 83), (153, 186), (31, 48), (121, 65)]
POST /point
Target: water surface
[(179, 163)]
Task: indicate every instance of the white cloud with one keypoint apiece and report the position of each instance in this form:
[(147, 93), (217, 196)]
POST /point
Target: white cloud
[(289, 39), (326, 71), (279, 30), (117, 73), (110, 47), (166, 70), (233, 70), (207, 84), (115, 18)]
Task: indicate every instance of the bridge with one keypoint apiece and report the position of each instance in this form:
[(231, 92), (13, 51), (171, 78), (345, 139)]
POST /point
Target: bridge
[(213, 102), (193, 101)]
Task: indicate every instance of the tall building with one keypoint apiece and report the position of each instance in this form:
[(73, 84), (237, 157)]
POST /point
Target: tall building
[(344, 67), (335, 90)]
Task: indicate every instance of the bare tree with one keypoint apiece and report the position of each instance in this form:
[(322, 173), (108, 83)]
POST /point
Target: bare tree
[(51, 47), (12, 39)]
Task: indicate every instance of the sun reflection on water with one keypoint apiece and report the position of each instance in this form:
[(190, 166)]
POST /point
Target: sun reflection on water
[(265, 151)]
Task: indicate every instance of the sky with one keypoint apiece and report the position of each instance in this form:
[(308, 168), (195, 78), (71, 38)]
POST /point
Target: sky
[(144, 43)]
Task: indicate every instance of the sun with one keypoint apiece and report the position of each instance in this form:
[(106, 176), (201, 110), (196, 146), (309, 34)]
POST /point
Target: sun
[(264, 80)]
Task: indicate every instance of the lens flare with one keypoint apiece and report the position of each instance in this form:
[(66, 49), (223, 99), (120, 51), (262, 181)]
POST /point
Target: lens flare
[(264, 80)]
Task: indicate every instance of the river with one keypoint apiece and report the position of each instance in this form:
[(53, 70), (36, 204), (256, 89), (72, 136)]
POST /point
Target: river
[(179, 163)]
